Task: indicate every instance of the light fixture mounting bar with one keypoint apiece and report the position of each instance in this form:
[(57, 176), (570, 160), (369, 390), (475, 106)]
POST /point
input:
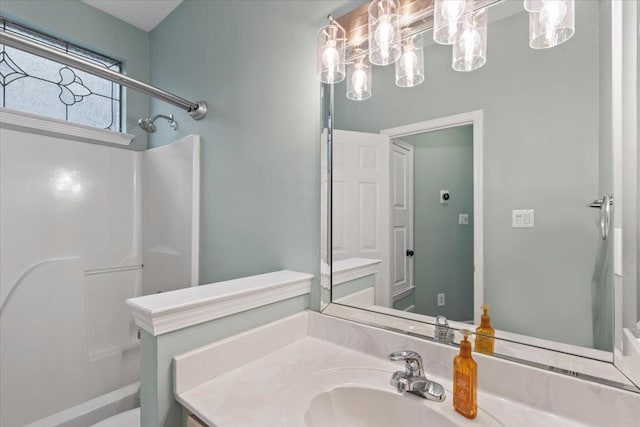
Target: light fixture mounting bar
[(332, 21)]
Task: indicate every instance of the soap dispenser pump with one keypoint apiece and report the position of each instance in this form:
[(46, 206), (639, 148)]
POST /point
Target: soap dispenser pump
[(465, 376), (485, 333)]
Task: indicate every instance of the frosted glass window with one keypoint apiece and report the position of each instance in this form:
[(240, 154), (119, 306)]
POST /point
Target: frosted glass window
[(41, 86)]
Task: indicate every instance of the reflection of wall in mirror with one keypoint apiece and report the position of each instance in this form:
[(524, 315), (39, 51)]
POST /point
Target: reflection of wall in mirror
[(638, 175), (541, 151)]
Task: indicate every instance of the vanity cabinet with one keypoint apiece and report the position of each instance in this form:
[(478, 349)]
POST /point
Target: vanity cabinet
[(192, 421)]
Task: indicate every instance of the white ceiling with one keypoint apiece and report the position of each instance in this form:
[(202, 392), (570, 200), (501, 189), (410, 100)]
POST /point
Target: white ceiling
[(144, 14)]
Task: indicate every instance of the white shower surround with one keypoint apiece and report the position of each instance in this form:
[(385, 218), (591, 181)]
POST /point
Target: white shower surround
[(71, 253)]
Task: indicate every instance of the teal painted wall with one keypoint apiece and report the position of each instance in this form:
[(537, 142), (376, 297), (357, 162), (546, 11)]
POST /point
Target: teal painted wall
[(602, 279), (254, 62), (159, 407), (93, 29), (638, 184), (443, 260)]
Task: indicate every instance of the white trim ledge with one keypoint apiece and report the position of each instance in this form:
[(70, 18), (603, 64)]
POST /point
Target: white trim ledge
[(353, 268), (27, 122), (159, 314), (403, 294)]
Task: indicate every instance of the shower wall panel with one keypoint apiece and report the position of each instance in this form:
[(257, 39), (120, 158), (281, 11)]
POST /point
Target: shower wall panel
[(70, 254), (171, 206)]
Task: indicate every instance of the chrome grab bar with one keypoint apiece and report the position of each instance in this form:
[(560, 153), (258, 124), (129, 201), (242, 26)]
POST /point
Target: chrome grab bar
[(604, 205), (119, 269)]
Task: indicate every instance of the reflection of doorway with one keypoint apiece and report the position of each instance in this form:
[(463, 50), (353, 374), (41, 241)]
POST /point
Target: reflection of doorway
[(447, 253), (441, 174)]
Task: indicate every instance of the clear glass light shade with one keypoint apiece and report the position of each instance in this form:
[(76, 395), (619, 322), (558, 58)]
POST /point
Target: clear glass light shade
[(410, 66), (331, 54), (532, 5), (553, 24), (384, 32), (470, 48), (359, 80), (446, 19)]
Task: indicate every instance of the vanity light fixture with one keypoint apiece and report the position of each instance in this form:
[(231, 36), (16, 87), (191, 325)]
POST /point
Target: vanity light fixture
[(359, 79), (384, 32), (461, 23), (470, 48), (331, 52), (410, 66), (446, 17), (551, 22)]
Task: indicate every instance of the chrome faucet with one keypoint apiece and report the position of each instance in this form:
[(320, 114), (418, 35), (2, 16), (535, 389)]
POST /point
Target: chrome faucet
[(443, 334), (412, 380)]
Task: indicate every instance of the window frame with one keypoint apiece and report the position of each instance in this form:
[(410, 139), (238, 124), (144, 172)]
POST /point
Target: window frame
[(117, 90)]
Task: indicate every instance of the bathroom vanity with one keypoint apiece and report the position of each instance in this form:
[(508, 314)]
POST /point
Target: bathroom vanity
[(562, 289), (311, 369)]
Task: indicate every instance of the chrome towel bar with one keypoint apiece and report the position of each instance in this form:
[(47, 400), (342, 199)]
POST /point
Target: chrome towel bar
[(604, 204), (598, 203)]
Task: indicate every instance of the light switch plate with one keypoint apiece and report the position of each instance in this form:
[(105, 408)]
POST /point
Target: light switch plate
[(522, 218), (463, 219)]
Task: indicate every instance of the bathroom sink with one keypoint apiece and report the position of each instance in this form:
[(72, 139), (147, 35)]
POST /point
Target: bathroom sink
[(352, 406), (363, 397)]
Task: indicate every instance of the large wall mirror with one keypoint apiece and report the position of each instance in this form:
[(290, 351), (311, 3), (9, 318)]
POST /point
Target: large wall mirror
[(492, 187)]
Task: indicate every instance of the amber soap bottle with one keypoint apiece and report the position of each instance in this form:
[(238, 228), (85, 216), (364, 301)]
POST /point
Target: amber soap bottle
[(465, 375), (485, 333)]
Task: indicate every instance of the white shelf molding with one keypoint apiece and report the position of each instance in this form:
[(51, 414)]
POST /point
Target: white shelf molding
[(403, 294), (27, 122), (169, 311), (353, 268)]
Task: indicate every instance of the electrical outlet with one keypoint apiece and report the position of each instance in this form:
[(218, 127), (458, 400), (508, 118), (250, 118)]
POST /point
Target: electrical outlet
[(440, 300)]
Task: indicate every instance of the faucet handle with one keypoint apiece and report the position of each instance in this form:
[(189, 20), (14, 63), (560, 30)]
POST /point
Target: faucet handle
[(400, 382), (413, 362)]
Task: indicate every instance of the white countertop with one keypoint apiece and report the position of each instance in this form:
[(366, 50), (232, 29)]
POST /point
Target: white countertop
[(265, 388), (260, 393)]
